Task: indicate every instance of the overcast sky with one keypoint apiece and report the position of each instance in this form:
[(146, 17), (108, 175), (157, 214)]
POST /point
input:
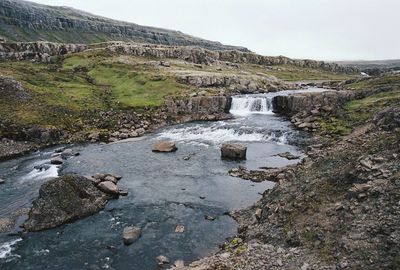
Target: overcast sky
[(318, 29)]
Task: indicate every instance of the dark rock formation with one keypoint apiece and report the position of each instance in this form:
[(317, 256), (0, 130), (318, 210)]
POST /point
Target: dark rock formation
[(241, 84), (200, 108), (63, 200), (292, 104), (37, 51), (26, 21)]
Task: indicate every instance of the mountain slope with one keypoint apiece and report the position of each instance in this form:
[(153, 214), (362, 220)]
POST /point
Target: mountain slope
[(27, 21)]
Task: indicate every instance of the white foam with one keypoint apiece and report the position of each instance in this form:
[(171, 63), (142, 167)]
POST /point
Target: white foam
[(37, 174), (217, 135), (7, 247)]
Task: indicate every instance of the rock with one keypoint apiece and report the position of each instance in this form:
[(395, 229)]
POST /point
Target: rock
[(287, 155), (233, 151), (110, 178), (179, 229), (116, 176), (63, 200), (131, 234), (94, 137), (123, 192), (42, 167), (179, 264), (99, 176), (258, 213), (68, 153), (108, 187), (162, 260), (388, 119), (2, 181), (56, 160), (164, 146), (210, 218), (140, 131)]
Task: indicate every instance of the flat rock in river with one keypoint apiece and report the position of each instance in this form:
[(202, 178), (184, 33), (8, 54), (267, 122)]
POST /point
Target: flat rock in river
[(63, 200), (233, 151), (164, 146)]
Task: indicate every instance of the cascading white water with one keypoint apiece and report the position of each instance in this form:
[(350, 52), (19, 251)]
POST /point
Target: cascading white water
[(246, 105)]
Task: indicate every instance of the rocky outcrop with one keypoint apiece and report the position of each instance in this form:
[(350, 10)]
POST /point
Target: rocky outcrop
[(41, 51), (234, 83), (219, 57), (13, 89), (63, 200), (292, 104), (26, 21), (199, 108), (388, 119), (37, 51)]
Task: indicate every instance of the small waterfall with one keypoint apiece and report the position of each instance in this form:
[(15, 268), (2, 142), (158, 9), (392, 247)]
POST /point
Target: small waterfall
[(246, 105)]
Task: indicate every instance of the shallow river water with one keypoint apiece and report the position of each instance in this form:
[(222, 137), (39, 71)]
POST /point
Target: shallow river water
[(165, 190)]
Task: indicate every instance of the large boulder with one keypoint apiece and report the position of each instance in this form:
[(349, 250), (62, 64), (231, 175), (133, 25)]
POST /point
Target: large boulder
[(64, 200), (233, 151), (164, 146)]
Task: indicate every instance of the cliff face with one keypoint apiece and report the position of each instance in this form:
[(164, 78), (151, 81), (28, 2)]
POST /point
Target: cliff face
[(330, 100), (199, 108), (26, 21), (203, 56), (39, 51)]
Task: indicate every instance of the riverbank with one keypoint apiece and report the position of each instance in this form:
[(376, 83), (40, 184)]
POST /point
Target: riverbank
[(337, 209)]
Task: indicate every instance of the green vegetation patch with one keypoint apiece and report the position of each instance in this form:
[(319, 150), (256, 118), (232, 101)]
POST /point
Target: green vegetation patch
[(359, 111), (70, 92)]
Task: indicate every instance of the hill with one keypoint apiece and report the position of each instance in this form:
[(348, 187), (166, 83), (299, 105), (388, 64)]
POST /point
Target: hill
[(27, 21)]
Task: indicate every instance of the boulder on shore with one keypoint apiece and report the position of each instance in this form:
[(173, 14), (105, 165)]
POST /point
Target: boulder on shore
[(64, 200), (164, 146), (131, 234), (108, 187), (233, 151)]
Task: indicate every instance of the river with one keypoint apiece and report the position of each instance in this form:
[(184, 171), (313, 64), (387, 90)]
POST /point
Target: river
[(165, 190)]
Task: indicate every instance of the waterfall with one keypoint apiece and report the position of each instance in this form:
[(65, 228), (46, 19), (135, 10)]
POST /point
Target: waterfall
[(246, 105)]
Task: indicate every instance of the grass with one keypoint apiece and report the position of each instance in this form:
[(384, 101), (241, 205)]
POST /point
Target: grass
[(359, 111), (367, 83), (67, 94), (293, 73)]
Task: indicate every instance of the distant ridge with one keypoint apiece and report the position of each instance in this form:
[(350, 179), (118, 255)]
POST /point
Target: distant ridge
[(27, 21)]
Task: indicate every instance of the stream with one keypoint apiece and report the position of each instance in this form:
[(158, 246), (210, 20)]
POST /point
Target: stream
[(165, 190)]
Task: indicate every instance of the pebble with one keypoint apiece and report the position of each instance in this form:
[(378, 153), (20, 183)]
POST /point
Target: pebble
[(179, 229), (162, 260)]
